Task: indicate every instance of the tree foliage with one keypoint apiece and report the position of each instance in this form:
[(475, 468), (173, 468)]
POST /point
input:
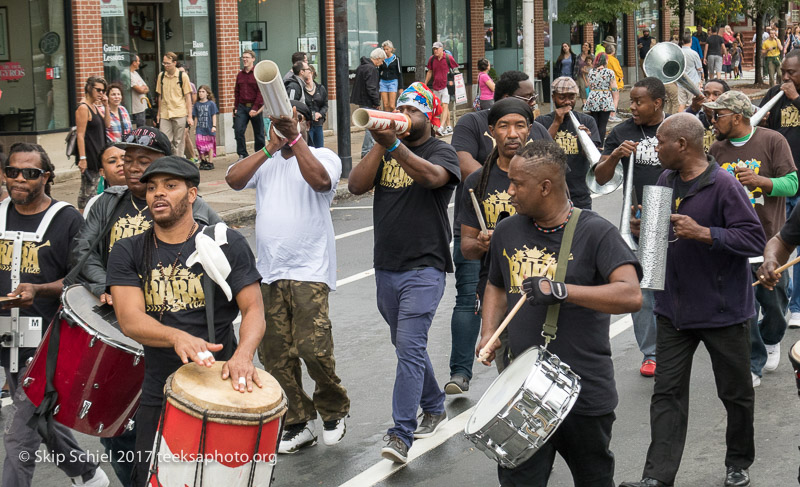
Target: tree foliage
[(596, 11)]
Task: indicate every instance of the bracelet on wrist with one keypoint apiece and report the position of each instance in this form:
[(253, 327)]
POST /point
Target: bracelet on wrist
[(269, 156), (394, 146), (83, 158), (296, 139)]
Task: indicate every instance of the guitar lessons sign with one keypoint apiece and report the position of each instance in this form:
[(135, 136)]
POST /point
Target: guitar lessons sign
[(194, 8), (112, 8)]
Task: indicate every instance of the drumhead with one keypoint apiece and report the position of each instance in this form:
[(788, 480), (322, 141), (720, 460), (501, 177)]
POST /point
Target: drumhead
[(82, 306), (194, 388), (502, 390), (795, 351)]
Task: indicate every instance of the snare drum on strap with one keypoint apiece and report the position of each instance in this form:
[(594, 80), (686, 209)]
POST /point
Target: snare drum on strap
[(523, 407), (99, 371), (203, 418)]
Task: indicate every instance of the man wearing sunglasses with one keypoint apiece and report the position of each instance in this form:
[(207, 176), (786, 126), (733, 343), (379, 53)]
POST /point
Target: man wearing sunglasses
[(122, 212), (762, 161), (45, 262)]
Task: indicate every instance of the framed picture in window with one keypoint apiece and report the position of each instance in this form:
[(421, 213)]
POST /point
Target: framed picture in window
[(257, 35), (5, 54)]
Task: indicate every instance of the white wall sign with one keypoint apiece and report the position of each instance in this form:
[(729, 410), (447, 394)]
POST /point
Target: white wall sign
[(461, 91), (112, 8), (194, 8)]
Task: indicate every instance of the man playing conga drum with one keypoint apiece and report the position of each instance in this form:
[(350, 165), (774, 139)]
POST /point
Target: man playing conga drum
[(160, 300), (602, 278)]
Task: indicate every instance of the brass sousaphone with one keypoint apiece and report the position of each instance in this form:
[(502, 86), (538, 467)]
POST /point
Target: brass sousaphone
[(667, 62)]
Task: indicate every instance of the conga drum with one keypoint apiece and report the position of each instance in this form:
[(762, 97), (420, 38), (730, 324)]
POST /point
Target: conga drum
[(210, 434), (98, 372)]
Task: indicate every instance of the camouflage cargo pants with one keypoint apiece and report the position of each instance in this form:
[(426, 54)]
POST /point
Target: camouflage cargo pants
[(298, 327)]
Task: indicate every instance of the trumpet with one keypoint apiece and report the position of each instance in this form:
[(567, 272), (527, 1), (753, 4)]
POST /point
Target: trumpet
[(586, 141), (627, 201), (762, 112)]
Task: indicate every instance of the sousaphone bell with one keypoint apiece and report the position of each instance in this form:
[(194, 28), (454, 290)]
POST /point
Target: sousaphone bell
[(667, 62)]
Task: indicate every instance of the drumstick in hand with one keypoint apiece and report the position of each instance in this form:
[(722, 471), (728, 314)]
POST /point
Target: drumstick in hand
[(483, 355), (478, 210), (782, 268)]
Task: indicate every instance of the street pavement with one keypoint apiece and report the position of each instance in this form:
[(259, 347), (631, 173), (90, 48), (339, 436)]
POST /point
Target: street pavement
[(366, 364)]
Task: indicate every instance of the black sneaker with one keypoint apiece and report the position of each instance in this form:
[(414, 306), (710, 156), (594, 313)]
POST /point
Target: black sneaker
[(458, 385), (206, 166), (395, 450), (430, 424), (737, 477)]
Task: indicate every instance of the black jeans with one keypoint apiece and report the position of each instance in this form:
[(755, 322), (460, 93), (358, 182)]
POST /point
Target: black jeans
[(602, 123), (729, 349), (240, 120), (582, 441), (146, 428)]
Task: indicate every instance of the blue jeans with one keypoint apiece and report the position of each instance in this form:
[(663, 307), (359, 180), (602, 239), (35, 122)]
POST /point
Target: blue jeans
[(240, 122), (794, 290), (465, 324), (644, 326), (772, 327), (407, 300), (315, 137), (366, 146)]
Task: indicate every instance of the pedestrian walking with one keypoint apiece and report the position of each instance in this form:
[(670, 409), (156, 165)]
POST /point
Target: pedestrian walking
[(715, 48), (365, 92), (205, 112), (771, 49), (317, 98), (644, 44), (439, 66), (693, 70), (485, 85), (585, 64), (91, 135), (390, 76), (727, 64), (600, 102), (139, 91), (613, 65), (188, 142), (247, 105), (174, 102), (120, 125)]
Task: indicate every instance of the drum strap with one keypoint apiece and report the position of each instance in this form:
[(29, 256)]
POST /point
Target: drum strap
[(551, 321), (209, 291)]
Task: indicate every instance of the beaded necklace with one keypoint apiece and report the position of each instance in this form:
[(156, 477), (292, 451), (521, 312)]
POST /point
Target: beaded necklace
[(555, 229), (174, 267)]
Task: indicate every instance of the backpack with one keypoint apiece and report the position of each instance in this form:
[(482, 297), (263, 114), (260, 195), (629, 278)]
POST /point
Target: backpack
[(180, 80)]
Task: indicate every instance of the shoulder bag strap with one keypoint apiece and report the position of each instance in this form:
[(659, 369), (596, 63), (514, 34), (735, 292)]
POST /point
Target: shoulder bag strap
[(551, 321)]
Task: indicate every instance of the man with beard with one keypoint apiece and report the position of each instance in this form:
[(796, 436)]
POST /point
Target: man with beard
[(711, 91), (561, 128), (706, 298), (602, 278), (414, 175), (638, 134), (121, 212), (160, 299), (762, 162), (37, 281), (473, 143), (297, 262)]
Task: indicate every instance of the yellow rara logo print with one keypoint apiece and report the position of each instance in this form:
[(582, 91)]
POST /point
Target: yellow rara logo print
[(530, 263), (184, 291), (790, 117), (30, 256), (127, 227), (494, 204), (568, 142), (394, 176)]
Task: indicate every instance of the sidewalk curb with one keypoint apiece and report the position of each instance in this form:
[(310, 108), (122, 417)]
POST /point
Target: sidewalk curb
[(247, 214)]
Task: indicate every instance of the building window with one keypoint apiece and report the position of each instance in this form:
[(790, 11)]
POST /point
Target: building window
[(362, 30), (451, 27), (33, 67)]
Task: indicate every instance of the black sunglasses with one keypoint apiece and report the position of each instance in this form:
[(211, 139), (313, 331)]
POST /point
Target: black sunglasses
[(29, 173)]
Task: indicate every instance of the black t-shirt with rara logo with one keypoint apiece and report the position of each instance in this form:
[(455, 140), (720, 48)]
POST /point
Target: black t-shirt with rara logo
[(131, 217), (412, 228), (43, 262), (784, 117), (519, 250), (471, 135), (648, 167), (578, 163), (185, 299)]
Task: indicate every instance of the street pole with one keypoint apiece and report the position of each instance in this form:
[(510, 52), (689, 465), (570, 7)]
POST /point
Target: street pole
[(342, 86), (528, 52)]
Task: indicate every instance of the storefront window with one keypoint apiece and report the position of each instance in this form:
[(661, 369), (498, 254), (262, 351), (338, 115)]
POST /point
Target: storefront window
[(647, 18), (33, 66), (451, 27), (362, 30), (116, 47)]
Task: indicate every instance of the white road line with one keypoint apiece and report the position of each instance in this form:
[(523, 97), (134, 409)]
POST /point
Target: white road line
[(384, 468), (361, 275), (355, 232), (351, 208)]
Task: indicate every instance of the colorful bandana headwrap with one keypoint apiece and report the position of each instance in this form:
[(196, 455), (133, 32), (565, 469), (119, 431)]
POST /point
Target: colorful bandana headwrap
[(422, 98)]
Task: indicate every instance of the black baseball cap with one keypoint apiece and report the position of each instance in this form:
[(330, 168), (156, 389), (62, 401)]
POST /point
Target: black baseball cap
[(174, 166), (149, 138)]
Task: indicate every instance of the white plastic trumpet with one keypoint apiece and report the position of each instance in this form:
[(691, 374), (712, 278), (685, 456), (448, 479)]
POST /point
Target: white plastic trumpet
[(762, 112), (273, 92), (380, 120), (586, 141)]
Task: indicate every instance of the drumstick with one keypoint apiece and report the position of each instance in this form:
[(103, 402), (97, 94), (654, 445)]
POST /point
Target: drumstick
[(483, 355), (782, 268), (478, 211)]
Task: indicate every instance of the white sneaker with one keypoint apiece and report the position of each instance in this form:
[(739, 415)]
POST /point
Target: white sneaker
[(773, 356), (794, 320), (756, 379), (297, 436), (100, 479), (449, 130), (333, 431)]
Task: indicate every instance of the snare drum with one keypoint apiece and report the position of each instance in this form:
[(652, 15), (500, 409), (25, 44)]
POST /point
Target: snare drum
[(99, 371), (523, 407), (204, 418)]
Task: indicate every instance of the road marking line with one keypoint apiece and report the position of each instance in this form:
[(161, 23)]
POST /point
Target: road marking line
[(354, 232), (361, 275), (351, 208), (385, 468)]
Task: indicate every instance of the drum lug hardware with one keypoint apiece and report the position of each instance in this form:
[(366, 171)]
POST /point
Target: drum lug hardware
[(96, 385), (136, 360), (100, 428), (94, 339), (28, 362), (129, 425), (84, 409), (56, 409), (27, 382)]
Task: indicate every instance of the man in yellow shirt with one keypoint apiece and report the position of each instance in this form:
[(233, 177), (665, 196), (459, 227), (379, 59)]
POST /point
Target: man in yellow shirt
[(613, 65), (174, 102), (771, 49)]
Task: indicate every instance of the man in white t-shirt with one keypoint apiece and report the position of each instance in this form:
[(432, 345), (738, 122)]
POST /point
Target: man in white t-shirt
[(139, 92), (296, 251)]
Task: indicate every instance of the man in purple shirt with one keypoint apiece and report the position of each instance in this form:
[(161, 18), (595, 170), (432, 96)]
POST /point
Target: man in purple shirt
[(247, 105)]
